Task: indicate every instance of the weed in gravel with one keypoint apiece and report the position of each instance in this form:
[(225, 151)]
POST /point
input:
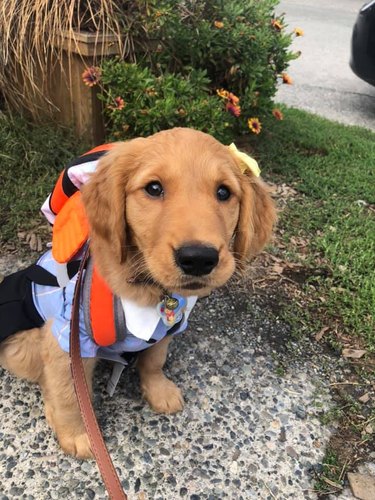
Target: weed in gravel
[(329, 478)]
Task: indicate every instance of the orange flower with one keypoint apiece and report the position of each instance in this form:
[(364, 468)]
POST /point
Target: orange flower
[(233, 98), (222, 93), (233, 109), (277, 114), (229, 96), (277, 24), (254, 125), (286, 78), (232, 104), (91, 76), (298, 31), (119, 104), (219, 24)]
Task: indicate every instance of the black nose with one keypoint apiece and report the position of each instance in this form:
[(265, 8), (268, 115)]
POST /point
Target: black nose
[(196, 260)]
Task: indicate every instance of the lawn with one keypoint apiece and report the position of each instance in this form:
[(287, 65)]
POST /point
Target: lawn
[(332, 167), (31, 158)]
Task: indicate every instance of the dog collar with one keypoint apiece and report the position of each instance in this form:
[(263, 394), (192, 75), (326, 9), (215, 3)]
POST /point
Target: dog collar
[(141, 321), (171, 307)]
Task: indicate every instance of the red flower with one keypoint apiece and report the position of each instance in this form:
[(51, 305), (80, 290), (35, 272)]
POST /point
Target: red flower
[(232, 104), (233, 109), (277, 114), (233, 98), (119, 104), (91, 76)]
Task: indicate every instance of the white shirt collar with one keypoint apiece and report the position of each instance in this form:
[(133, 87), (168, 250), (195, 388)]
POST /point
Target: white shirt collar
[(142, 321)]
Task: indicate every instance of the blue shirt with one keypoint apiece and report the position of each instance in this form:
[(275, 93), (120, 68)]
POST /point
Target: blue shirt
[(142, 323)]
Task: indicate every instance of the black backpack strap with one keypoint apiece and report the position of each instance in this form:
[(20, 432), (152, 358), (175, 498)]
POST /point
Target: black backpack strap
[(38, 274), (17, 309)]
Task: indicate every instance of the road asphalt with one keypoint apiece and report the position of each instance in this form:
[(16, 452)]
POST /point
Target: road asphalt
[(323, 82)]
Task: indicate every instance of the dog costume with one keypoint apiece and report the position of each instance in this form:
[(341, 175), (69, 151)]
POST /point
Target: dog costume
[(111, 327)]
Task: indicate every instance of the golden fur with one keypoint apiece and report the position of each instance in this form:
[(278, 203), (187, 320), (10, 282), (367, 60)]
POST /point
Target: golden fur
[(134, 234)]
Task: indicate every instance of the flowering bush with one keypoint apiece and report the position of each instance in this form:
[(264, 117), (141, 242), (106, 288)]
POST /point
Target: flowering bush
[(138, 103), (213, 65), (240, 43)]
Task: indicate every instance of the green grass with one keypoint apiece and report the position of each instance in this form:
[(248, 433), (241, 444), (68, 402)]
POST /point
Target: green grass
[(330, 478), (333, 167), (31, 158)]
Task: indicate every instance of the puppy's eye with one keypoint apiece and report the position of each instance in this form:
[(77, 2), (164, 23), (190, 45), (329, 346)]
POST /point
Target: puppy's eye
[(154, 189), (223, 193)]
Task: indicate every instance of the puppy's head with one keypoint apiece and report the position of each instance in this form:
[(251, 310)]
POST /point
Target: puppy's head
[(174, 212)]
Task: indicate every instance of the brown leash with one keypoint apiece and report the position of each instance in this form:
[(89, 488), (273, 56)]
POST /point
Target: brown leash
[(98, 446)]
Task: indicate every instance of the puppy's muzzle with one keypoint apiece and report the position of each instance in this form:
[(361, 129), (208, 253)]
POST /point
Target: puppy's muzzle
[(196, 260)]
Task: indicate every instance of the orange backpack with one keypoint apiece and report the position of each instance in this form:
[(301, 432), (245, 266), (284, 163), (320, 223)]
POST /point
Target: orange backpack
[(70, 235)]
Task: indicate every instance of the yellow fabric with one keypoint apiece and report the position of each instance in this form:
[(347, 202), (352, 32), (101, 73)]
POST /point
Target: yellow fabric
[(246, 161)]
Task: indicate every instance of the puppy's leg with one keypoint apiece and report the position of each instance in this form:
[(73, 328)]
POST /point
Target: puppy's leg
[(20, 354), (36, 356), (61, 407), (161, 393)]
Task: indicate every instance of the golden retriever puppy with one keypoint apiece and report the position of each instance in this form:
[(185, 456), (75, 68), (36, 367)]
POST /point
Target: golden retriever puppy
[(172, 214)]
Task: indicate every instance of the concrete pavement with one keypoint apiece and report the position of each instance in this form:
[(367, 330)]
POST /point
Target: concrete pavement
[(250, 429), (323, 81)]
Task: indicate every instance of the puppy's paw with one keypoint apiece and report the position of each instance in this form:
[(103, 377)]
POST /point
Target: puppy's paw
[(162, 395), (75, 445)]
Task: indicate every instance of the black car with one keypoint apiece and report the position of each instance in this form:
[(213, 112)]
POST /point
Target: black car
[(362, 59)]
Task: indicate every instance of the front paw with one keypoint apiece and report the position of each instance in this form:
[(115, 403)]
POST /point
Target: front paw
[(72, 437), (162, 394), (76, 445)]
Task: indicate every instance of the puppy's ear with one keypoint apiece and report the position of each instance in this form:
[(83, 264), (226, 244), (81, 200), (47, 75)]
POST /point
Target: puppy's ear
[(256, 219), (104, 201)]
